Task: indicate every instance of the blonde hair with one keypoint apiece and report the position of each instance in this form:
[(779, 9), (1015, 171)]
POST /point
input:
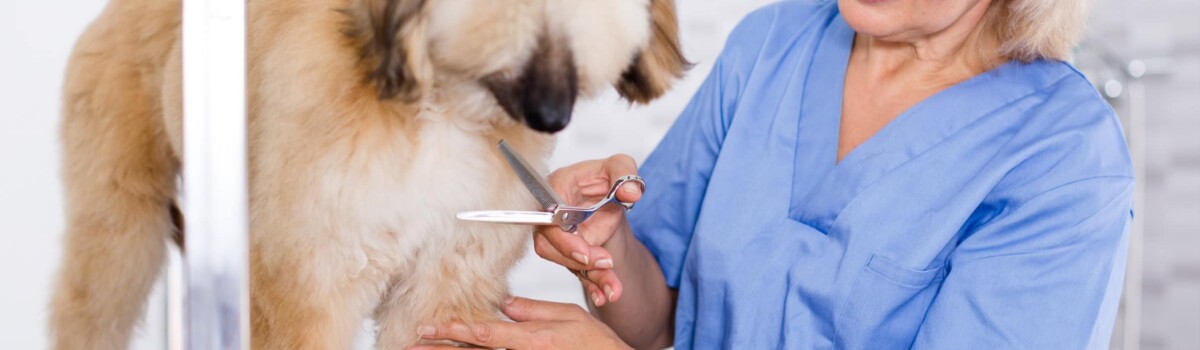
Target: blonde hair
[(1028, 30)]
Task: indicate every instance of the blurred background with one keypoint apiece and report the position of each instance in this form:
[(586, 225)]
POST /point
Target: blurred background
[(1144, 56)]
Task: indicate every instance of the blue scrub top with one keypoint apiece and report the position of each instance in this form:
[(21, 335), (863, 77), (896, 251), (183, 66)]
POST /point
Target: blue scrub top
[(992, 215)]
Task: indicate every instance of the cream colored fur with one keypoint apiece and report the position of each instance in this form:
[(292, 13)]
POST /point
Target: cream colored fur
[(353, 196)]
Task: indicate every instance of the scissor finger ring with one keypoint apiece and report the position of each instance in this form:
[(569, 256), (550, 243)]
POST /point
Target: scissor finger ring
[(612, 194)]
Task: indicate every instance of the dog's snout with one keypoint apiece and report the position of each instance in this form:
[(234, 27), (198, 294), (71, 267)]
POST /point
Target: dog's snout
[(548, 117), (543, 95)]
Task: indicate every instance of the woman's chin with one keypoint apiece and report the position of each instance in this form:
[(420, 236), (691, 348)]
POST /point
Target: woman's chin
[(878, 22), (868, 26), (865, 17)]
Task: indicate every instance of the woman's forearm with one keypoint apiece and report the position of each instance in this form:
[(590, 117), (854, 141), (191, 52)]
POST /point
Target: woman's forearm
[(643, 317)]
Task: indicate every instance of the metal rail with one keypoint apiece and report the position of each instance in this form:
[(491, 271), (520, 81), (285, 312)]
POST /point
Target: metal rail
[(214, 195)]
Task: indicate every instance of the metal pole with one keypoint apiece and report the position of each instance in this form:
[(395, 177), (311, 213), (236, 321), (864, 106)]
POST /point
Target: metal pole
[(1137, 238), (215, 184), (1138, 70)]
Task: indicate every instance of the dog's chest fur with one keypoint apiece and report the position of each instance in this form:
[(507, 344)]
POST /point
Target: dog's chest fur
[(385, 200), (405, 204)]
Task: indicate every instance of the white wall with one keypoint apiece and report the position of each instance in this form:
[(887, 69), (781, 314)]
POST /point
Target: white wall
[(35, 39)]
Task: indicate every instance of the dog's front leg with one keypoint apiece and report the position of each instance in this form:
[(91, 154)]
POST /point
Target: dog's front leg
[(462, 278), (312, 284)]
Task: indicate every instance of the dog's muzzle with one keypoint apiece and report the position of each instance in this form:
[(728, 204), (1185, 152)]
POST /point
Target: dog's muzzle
[(543, 95)]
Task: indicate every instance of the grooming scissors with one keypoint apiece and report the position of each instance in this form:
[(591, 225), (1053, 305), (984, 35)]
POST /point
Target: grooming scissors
[(554, 210)]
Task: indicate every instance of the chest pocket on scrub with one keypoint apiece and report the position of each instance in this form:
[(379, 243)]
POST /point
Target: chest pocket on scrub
[(886, 305)]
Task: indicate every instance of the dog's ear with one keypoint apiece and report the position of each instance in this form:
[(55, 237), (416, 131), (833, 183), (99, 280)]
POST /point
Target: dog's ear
[(658, 65), (390, 35)]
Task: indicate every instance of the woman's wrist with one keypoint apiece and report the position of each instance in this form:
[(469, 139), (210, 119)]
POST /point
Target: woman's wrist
[(643, 316)]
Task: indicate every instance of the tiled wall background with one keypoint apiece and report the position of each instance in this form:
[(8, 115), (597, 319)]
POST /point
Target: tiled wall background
[(1166, 34)]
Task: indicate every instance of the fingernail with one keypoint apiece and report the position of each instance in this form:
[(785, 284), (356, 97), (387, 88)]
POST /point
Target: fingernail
[(582, 259), (630, 188), (426, 331), (604, 264), (509, 301), (609, 292), (597, 299)]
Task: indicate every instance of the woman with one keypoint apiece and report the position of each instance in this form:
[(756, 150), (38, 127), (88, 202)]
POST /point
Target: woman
[(866, 175)]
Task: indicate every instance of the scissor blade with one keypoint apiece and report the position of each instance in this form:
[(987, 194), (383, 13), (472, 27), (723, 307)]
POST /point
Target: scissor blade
[(536, 184), (509, 217)]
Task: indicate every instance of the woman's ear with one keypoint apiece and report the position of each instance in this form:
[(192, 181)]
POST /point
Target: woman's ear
[(391, 38), (661, 62)]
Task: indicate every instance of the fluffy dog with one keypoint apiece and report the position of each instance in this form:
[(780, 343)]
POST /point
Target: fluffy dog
[(371, 123)]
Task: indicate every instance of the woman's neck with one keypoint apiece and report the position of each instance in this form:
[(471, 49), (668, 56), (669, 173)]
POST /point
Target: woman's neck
[(962, 50)]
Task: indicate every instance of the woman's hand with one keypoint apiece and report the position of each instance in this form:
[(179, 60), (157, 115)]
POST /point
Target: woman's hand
[(586, 250), (539, 325), (603, 248)]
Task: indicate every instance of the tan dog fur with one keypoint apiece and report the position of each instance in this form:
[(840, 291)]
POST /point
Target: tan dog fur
[(368, 129)]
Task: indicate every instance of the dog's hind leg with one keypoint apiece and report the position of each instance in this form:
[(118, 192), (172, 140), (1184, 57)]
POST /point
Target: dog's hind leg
[(118, 173)]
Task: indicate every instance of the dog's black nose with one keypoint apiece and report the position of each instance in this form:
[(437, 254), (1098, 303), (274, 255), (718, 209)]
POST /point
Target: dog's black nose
[(548, 117), (543, 95)]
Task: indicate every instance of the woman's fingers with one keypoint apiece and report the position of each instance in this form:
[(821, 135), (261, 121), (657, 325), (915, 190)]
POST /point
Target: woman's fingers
[(547, 325), (564, 248), (608, 283), (568, 181), (546, 250), (621, 165), (592, 192), (597, 293), (593, 292), (588, 181), (570, 250), (601, 286), (491, 335), (526, 310)]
